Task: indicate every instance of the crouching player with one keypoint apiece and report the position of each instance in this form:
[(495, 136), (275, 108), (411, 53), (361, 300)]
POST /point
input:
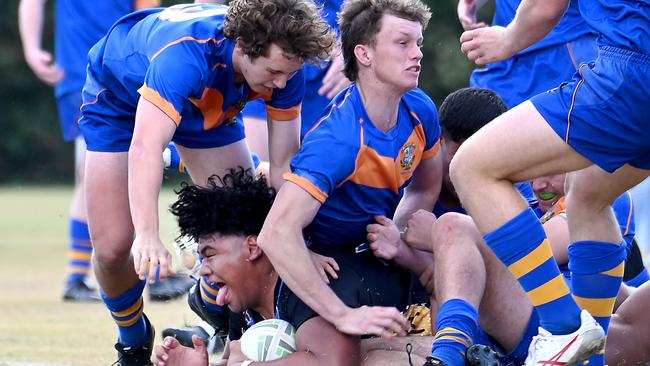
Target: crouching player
[(226, 218)]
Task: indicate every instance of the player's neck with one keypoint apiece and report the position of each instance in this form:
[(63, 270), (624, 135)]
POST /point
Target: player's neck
[(381, 102), (266, 306)]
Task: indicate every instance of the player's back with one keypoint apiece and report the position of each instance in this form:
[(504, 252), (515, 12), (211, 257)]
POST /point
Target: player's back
[(620, 23), (121, 60)]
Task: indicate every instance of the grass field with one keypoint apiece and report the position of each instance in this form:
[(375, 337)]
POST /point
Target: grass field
[(36, 327)]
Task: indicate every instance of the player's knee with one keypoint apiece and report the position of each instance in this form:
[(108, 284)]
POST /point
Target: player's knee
[(111, 253), (452, 229), (463, 171), (581, 195)]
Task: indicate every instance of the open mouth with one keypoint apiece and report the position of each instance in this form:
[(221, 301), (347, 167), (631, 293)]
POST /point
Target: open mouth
[(547, 196), (415, 68), (223, 297)]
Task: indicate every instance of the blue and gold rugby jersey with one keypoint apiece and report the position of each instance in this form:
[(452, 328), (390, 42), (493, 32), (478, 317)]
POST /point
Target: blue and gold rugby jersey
[(178, 59), (619, 23), (79, 25), (356, 170), (570, 28)]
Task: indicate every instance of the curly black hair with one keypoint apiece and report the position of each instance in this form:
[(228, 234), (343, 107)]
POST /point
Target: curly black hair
[(466, 110), (235, 204)]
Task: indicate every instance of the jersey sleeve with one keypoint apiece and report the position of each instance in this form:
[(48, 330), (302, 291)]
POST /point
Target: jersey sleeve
[(323, 162), (172, 77), (285, 104)]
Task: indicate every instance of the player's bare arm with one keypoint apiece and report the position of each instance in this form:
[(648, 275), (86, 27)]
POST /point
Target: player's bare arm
[(30, 22), (467, 10), (422, 192), (282, 241), (153, 131), (283, 142)]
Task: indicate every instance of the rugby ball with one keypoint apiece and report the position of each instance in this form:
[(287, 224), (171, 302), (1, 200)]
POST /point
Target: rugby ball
[(268, 340)]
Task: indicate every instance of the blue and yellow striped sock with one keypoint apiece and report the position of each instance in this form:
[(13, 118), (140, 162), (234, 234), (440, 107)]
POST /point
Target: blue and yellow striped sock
[(172, 158), (456, 322), (596, 276), (126, 310), (209, 295), (80, 251), (522, 246)]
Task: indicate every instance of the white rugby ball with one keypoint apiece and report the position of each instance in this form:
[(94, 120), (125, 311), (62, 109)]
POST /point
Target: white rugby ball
[(268, 340)]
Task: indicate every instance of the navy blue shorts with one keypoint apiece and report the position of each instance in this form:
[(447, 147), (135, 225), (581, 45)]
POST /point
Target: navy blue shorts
[(604, 112), (363, 280), (68, 106)]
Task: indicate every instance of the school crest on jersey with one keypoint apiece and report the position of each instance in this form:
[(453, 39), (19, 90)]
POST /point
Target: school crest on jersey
[(408, 156)]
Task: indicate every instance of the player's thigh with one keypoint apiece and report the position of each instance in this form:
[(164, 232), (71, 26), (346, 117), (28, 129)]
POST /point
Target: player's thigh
[(517, 146), (203, 163), (595, 187), (395, 351), (107, 201), (327, 344)]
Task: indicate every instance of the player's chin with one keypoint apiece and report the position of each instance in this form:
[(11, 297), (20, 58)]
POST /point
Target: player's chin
[(235, 306)]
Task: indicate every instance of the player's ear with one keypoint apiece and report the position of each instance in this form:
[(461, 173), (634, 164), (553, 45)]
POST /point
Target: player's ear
[(363, 54), (253, 249)]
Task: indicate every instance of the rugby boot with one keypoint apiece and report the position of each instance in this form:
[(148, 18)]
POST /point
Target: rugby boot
[(170, 288), (136, 356), (79, 291), (567, 349), (481, 355)]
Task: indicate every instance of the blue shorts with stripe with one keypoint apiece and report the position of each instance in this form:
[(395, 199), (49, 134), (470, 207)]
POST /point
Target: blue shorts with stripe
[(68, 105), (604, 112), (519, 353), (107, 124), (525, 75)]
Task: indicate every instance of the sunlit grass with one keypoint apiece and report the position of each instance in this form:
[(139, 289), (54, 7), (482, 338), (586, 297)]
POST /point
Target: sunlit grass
[(36, 327)]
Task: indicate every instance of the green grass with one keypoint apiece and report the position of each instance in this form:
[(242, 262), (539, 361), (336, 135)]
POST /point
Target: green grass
[(36, 327)]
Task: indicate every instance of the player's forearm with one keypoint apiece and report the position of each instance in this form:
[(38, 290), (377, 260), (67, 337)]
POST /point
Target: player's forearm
[(533, 21), (30, 23), (283, 142), (288, 253), (413, 200), (145, 178), (276, 171), (413, 259)]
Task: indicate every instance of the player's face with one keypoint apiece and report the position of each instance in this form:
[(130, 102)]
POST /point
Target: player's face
[(549, 190), (225, 264), (396, 55), (265, 73)]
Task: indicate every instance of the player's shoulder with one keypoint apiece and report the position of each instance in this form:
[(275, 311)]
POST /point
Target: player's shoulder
[(342, 117), (188, 24), (420, 104)]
